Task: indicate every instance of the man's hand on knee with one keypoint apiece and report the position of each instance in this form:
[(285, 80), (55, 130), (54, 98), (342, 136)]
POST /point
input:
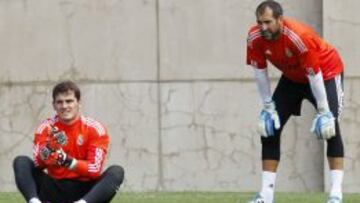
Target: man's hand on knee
[(269, 120), (324, 125)]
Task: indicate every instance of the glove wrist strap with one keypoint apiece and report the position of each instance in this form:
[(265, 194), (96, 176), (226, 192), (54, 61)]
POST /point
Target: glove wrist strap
[(72, 164), (322, 107), (269, 105), (68, 161)]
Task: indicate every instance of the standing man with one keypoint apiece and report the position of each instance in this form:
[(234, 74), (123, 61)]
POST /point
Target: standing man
[(311, 69), (72, 149)]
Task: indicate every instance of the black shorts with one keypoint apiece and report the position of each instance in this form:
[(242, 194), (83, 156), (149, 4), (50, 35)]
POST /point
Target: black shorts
[(61, 191), (288, 96)]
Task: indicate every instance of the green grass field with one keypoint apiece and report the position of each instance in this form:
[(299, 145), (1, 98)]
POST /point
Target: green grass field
[(202, 197)]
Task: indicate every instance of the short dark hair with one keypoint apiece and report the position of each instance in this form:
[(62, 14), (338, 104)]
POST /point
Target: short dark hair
[(64, 87), (273, 5)]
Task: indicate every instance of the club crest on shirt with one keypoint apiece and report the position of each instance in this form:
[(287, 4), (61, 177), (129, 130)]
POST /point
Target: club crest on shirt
[(288, 53), (80, 140)]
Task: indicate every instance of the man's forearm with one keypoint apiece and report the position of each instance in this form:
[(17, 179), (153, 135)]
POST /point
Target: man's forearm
[(263, 84), (90, 167), (317, 86)]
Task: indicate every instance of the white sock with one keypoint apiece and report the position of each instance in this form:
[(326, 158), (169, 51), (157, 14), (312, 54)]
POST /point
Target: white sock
[(336, 182), (34, 200), (80, 201), (268, 186)]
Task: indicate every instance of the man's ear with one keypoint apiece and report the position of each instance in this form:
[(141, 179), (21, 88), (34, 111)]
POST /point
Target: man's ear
[(281, 18)]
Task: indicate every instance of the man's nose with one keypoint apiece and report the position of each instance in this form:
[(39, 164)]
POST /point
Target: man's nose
[(264, 27)]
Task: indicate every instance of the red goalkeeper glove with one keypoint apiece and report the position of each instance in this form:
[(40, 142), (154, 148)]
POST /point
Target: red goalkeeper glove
[(56, 138), (56, 157)]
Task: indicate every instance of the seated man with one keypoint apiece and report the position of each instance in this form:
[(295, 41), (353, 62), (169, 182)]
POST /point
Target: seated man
[(68, 156)]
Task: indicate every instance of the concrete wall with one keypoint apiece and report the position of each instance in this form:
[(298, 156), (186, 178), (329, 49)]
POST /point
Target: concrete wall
[(168, 79), (342, 25)]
